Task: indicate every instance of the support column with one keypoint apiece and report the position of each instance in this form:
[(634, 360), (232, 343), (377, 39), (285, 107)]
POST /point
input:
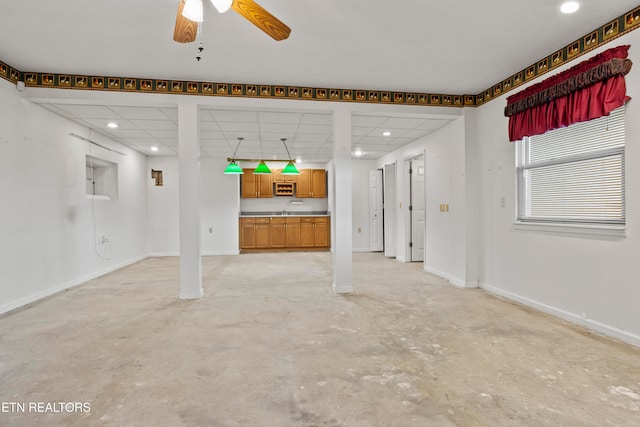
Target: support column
[(342, 195), (189, 189)]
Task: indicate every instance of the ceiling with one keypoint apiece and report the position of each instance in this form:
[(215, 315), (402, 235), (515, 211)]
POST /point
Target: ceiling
[(308, 134), (460, 47)]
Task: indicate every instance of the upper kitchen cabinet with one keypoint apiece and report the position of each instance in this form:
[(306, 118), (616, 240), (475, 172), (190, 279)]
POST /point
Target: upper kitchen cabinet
[(256, 185), (279, 177), (312, 183)]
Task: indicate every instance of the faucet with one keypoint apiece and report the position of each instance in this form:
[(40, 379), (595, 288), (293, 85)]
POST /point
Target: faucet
[(284, 211)]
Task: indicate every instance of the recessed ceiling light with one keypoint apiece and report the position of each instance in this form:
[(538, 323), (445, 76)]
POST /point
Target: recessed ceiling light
[(154, 148), (112, 125), (298, 160), (569, 7), (386, 133), (358, 152)]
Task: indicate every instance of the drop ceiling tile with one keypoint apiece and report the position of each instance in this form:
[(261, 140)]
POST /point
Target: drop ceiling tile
[(89, 111), (239, 127), (210, 126), (281, 118), (165, 134), (234, 116), (415, 134), (102, 124), (277, 137), (278, 128), (140, 113), (129, 133), (171, 113), (212, 134), (401, 123), (367, 121), (317, 119), (142, 142), (432, 124), (315, 129), (310, 137), (155, 124), (361, 131)]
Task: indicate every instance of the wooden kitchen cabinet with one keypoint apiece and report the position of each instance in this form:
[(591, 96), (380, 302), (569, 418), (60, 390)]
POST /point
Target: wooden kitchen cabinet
[(292, 232), (321, 235), (307, 232), (278, 177), (312, 183), (256, 185), (263, 233), (247, 233), (284, 233), (278, 232), (318, 183)]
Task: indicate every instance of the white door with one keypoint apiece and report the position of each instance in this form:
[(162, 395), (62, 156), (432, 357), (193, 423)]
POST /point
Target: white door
[(390, 210), (375, 211), (417, 209)]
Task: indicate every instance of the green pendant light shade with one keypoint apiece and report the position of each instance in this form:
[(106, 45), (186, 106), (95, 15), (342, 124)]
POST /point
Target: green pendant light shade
[(233, 168), (262, 168), (290, 169)]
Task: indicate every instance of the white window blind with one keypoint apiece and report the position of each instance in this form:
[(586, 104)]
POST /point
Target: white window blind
[(574, 174)]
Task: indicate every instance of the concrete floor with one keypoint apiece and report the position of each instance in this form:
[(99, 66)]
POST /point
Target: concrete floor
[(270, 344)]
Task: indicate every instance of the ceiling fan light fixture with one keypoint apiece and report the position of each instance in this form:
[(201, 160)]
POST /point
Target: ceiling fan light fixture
[(222, 5), (193, 10)]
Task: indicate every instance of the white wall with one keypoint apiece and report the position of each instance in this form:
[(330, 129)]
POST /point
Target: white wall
[(591, 280), (450, 244), (47, 231), (219, 207), (361, 236)]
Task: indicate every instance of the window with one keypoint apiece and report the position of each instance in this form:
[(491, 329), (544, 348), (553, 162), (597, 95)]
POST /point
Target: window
[(102, 179), (574, 175)]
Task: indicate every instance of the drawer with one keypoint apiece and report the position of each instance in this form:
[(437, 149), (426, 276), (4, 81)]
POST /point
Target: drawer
[(321, 219), (278, 220), (293, 220), (247, 220), (307, 219), (262, 220)]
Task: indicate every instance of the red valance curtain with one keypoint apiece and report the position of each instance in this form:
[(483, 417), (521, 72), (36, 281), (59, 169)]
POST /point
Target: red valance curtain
[(591, 89)]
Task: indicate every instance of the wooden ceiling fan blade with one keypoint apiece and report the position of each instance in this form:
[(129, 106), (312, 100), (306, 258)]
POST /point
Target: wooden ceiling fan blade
[(262, 19), (185, 30)]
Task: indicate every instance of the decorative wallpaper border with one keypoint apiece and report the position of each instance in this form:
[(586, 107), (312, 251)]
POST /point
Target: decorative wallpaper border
[(623, 24)]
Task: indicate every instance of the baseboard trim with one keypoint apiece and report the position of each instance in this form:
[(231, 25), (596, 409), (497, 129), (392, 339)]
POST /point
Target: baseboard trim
[(458, 283), (163, 254), (342, 289), (220, 253), (592, 325), (67, 285), (361, 250)]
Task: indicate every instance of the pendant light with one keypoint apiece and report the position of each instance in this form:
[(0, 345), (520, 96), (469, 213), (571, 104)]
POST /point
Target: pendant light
[(233, 168), (290, 169), (262, 168)]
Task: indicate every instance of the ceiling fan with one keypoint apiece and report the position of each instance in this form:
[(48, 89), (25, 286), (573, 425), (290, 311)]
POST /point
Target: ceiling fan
[(186, 27)]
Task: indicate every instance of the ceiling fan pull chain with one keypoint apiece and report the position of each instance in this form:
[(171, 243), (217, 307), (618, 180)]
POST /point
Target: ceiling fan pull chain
[(200, 47)]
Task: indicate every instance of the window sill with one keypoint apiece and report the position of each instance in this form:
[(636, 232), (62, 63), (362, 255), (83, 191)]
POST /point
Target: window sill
[(583, 229)]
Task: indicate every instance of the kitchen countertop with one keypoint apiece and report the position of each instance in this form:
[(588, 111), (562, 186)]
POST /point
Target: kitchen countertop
[(280, 213)]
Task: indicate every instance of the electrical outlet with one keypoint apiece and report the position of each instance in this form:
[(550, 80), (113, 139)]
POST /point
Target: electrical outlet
[(210, 230)]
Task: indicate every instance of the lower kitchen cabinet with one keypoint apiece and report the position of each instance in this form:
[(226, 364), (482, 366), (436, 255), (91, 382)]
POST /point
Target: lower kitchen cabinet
[(284, 233)]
